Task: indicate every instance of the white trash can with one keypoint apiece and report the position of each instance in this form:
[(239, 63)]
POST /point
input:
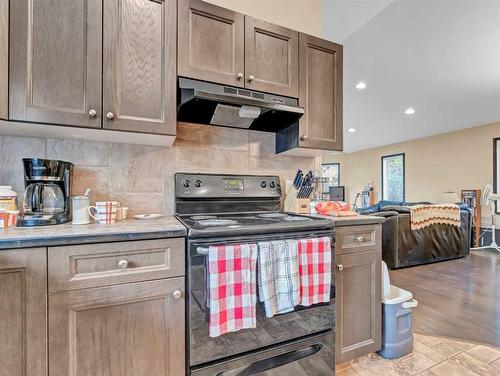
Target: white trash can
[(397, 319)]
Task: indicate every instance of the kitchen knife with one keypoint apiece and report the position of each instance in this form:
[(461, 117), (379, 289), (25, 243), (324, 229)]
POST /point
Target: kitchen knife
[(298, 178)]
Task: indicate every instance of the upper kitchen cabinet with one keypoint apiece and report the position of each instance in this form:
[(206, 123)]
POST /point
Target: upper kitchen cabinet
[(320, 93), (211, 43), (139, 47), (97, 66), (55, 62), (226, 47), (271, 58)]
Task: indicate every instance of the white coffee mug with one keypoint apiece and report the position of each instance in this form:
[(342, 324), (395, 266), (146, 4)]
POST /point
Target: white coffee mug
[(104, 212), (81, 210)]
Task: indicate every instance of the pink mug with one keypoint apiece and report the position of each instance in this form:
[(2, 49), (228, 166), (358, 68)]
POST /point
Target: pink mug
[(104, 212)]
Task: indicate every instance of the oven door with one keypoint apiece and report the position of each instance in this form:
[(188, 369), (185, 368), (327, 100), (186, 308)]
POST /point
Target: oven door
[(269, 332), (314, 355)]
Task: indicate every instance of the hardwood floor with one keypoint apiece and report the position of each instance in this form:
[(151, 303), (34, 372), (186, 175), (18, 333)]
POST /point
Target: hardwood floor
[(458, 298)]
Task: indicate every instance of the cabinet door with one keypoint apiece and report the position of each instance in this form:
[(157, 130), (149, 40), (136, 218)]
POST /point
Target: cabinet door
[(135, 329), (55, 66), (320, 93), (358, 305), (271, 58), (211, 43), (139, 66), (23, 297)]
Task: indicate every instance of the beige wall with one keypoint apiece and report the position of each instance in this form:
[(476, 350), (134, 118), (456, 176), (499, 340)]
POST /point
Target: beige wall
[(452, 161), (301, 15)]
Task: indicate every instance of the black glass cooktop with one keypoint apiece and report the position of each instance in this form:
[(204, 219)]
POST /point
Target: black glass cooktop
[(203, 225)]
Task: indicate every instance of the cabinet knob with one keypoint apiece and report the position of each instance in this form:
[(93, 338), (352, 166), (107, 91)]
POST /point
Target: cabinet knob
[(177, 294), (110, 115), (122, 264), (92, 112), (303, 138), (240, 76), (359, 239), (340, 267), (251, 78)]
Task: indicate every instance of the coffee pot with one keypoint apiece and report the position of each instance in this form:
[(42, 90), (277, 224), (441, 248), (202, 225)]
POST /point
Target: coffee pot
[(44, 199), (47, 192)]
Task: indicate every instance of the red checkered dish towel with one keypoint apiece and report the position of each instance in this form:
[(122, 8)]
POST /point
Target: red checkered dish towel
[(315, 261), (232, 288)]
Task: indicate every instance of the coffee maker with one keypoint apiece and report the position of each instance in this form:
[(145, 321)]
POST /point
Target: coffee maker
[(47, 192)]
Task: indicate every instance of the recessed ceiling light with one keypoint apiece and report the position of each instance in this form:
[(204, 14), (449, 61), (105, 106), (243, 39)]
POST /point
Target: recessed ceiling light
[(360, 85), (410, 111), (352, 130)]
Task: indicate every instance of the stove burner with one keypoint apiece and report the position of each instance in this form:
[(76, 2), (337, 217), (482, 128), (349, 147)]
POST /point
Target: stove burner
[(290, 218), (217, 222), (202, 217), (272, 215)]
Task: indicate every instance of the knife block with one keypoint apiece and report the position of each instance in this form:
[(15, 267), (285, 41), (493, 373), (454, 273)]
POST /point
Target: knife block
[(296, 205)]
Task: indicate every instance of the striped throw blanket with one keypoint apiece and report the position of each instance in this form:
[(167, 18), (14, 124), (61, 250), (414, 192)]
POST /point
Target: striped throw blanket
[(426, 215)]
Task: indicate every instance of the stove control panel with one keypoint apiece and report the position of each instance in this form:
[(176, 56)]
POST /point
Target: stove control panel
[(222, 186)]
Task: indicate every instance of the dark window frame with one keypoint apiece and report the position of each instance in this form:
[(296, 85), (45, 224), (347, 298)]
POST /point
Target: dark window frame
[(496, 140), (382, 173), (331, 164)]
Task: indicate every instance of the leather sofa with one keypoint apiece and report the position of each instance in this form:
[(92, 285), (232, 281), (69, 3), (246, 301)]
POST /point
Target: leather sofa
[(402, 247)]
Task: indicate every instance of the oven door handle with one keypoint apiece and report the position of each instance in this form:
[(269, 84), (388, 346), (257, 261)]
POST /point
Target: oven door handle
[(203, 251), (274, 362)]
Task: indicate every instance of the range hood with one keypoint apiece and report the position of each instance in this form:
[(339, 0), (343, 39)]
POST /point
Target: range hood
[(207, 103)]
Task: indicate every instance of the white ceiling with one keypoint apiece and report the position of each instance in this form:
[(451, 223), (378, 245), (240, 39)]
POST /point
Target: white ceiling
[(441, 57)]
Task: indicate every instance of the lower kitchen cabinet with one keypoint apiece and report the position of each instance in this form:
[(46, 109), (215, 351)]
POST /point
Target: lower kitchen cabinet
[(130, 329), (358, 302), (23, 302)]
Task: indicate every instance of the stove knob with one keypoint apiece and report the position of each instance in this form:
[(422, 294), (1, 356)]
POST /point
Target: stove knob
[(197, 183), (272, 185), (263, 184), (186, 183)]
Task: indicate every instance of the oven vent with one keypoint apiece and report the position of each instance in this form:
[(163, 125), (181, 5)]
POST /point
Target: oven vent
[(258, 95), (245, 93), (230, 90)]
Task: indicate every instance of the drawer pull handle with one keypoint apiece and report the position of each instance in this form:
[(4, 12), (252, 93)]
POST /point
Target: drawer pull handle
[(340, 267), (177, 294), (359, 239), (123, 264)]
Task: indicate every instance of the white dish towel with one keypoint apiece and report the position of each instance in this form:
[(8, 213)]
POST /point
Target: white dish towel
[(278, 276)]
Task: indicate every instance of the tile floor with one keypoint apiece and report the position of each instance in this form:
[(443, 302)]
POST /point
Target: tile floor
[(431, 356)]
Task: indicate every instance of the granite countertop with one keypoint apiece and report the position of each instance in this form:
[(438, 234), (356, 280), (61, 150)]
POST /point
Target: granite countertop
[(130, 229), (357, 220)]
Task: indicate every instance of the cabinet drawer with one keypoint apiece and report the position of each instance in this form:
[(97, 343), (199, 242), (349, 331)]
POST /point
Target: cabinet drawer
[(95, 265), (350, 239)]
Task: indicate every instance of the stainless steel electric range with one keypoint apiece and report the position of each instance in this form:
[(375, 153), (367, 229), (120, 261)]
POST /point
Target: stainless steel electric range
[(229, 209)]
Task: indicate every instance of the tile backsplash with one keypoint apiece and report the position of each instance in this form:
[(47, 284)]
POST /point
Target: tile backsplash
[(141, 177)]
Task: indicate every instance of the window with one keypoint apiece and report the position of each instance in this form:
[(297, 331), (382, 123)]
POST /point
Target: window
[(393, 177), (331, 171)]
